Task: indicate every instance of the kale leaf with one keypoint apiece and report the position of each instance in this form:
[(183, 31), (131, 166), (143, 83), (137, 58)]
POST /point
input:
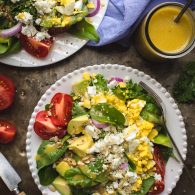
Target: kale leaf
[(184, 89)]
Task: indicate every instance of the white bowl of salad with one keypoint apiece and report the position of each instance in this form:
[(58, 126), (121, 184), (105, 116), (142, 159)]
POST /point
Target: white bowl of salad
[(104, 135), (40, 27)]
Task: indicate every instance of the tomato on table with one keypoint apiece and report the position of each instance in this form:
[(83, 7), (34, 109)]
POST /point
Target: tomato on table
[(39, 49), (7, 91), (7, 132), (160, 169), (61, 109), (44, 127)]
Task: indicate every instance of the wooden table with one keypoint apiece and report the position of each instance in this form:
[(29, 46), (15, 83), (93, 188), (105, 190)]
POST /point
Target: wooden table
[(33, 82)]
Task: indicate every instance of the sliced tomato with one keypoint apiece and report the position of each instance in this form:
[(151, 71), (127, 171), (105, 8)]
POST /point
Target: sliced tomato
[(160, 169), (7, 91), (39, 49), (61, 109), (7, 132), (44, 127)]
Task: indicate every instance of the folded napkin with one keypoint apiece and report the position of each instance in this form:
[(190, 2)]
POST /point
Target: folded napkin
[(122, 17)]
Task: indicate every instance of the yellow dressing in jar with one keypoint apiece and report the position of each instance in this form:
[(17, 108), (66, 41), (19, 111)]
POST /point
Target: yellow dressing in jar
[(165, 34)]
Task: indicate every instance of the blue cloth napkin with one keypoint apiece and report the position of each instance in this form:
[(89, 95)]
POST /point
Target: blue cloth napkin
[(122, 17)]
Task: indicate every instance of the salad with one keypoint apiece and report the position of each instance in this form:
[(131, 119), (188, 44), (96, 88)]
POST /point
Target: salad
[(32, 24), (106, 137)]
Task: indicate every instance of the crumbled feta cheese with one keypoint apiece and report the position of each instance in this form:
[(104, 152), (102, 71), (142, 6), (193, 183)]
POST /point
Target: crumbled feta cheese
[(157, 177), (92, 131), (14, 1), (44, 6), (29, 30), (115, 185), (24, 17), (112, 84), (95, 81), (91, 90), (131, 136), (41, 36), (38, 21)]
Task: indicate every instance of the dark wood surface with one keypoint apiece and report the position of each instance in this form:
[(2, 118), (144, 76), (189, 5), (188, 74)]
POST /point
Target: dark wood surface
[(33, 82)]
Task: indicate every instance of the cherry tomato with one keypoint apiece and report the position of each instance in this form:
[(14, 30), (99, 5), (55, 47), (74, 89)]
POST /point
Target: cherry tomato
[(160, 169), (44, 127), (61, 110), (7, 132), (39, 49), (7, 91)]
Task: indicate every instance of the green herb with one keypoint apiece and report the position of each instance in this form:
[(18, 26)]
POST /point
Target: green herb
[(152, 113), (146, 186), (167, 153), (101, 83), (84, 30), (96, 166), (184, 89), (46, 157), (107, 113), (47, 175), (78, 111)]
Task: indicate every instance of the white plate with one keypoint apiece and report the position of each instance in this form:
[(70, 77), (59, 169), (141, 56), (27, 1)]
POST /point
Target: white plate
[(64, 46), (174, 119)]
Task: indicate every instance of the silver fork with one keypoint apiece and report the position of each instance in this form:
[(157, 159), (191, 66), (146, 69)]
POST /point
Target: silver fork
[(161, 105)]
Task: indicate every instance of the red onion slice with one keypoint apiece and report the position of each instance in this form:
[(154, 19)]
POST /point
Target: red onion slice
[(11, 31), (116, 79), (99, 125), (124, 166), (93, 12)]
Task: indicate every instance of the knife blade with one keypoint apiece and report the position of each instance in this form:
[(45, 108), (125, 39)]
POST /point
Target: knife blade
[(9, 175)]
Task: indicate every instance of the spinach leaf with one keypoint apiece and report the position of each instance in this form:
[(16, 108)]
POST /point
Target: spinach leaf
[(47, 175), (107, 113), (167, 153), (78, 110), (48, 153), (163, 139), (84, 30), (184, 88), (152, 113), (79, 191), (146, 186)]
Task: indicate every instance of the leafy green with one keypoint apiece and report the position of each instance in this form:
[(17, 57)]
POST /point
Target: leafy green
[(101, 83), (152, 113), (107, 113), (79, 191), (78, 110), (167, 152), (9, 45), (47, 175), (84, 30), (47, 157), (74, 177), (146, 186), (163, 139), (184, 88)]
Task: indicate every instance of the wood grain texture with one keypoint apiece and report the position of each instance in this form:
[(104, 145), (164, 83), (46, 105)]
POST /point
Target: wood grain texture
[(32, 83)]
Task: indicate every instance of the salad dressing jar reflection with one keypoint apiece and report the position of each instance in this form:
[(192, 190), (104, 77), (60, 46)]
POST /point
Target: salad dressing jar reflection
[(159, 38)]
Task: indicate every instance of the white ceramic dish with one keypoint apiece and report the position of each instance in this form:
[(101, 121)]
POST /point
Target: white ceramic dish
[(64, 46), (174, 119)]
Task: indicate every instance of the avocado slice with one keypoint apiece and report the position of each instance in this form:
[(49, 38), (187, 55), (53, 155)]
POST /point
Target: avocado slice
[(75, 126), (86, 171), (62, 167), (80, 88), (61, 186), (80, 145)]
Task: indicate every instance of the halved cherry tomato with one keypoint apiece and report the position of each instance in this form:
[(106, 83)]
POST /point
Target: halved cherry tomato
[(45, 128), (39, 49), (160, 169), (61, 110), (7, 132), (7, 91)]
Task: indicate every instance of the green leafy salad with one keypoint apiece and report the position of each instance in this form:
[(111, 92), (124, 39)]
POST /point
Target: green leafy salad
[(31, 24), (107, 137)]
